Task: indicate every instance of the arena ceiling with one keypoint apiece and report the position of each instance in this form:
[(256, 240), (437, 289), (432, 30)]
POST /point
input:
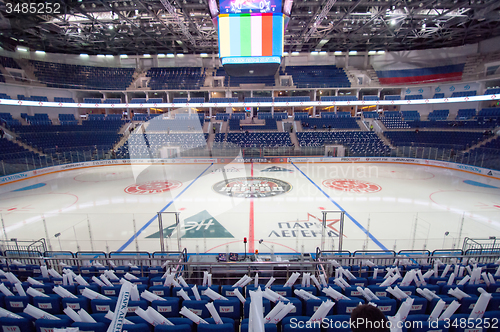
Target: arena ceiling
[(185, 26)]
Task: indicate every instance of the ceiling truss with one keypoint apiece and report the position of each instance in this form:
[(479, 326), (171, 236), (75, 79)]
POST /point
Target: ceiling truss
[(185, 26)]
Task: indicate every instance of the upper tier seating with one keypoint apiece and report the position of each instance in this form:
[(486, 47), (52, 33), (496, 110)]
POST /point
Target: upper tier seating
[(392, 114), (63, 100), (464, 94), (112, 101), (438, 96), (258, 99), (92, 100), (223, 100), (176, 78), (410, 115), (4, 96), (339, 98), (138, 101), (33, 98), (438, 115), (186, 100), (142, 117), (466, 114), (392, 97), (421, 75), (197, 100), (221, 72), (493, 91), (222, 116), (67, 119), (9, 63), (371, 98), (370, 115), (235, 81), (359, 142), (260, 139), (413, 97), (39, 119), (437, 139), (239, 116), (317, 76), (300, 115), (269, 115), (330, 122), (58, 75), (329, 115), (292, 99)]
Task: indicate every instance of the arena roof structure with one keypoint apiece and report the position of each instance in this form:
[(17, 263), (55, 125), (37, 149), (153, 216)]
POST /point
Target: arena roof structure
[(185, 26)]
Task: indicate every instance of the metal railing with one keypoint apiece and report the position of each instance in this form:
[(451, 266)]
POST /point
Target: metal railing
[(23, 248), (226, 273), (491, 244)]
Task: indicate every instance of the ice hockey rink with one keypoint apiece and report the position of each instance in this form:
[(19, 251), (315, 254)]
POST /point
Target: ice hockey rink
[(277, 207)]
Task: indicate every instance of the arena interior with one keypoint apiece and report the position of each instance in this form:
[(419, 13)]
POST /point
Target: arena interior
[(243, 165)]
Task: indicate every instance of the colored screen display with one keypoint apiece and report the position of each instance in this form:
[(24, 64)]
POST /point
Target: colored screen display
[(250, 36), (249, 6)]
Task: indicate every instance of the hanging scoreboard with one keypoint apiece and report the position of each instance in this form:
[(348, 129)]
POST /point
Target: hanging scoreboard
[(251, 36)]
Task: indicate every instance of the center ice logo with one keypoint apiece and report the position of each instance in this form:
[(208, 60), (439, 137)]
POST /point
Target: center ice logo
[(252, 187)]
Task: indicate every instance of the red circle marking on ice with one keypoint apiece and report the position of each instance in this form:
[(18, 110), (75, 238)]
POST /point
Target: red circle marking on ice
[(354, 186), (152, 187), (321, 208)]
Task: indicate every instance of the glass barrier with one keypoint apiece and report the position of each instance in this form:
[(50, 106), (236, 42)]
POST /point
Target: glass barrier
[(283, 230), (21, 162)]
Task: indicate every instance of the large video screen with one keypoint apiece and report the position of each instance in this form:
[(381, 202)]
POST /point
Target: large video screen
[(249, 6), (243, 38)]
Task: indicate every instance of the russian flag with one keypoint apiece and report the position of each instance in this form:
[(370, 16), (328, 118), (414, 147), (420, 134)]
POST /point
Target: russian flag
[(422, 75)]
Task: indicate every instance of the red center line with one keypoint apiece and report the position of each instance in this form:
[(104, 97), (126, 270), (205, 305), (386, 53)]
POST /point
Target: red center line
[(251, 223)]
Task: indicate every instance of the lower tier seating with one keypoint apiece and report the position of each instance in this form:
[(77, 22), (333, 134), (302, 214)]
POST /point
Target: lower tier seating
[(437, 139)]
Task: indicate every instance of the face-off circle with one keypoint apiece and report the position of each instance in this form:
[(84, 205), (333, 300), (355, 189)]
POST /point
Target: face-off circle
[(353, 186), (252, 187), (152, 187)]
